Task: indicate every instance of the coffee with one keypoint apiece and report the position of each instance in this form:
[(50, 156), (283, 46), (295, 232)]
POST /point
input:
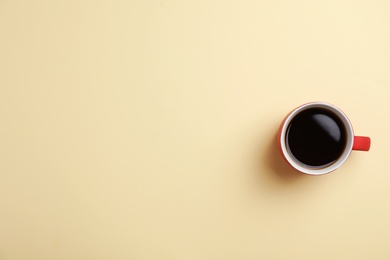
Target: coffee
[(316, 137)]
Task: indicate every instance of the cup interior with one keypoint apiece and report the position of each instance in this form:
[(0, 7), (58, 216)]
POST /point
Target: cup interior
[(349, 135)]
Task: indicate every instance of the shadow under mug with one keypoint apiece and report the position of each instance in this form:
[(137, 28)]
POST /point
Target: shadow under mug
[(310, 138)]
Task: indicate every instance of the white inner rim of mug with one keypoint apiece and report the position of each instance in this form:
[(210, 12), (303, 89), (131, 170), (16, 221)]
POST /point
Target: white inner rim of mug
[(326, 168)]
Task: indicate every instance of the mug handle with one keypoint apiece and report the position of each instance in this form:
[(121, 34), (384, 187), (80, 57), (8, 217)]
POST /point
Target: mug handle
[(361, 143)]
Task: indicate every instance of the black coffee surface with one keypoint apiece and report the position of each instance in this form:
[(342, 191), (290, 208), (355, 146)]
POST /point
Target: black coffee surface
[(316, 137)]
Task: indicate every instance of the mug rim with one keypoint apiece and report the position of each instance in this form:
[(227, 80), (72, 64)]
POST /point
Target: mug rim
[(328, 168)]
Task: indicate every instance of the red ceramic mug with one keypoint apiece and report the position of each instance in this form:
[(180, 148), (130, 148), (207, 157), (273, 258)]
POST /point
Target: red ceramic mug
[(317, 138)]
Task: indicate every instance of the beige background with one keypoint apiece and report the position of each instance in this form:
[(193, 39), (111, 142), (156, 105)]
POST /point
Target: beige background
[(146, 129)]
